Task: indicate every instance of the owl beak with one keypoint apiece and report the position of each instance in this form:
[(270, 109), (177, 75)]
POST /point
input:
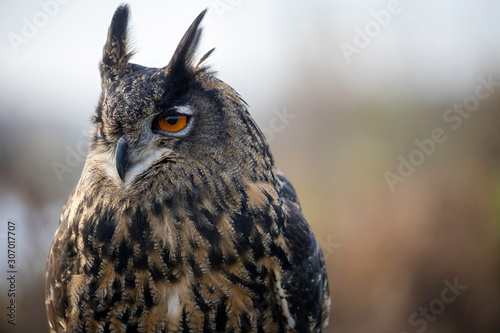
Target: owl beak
[(122, 157)]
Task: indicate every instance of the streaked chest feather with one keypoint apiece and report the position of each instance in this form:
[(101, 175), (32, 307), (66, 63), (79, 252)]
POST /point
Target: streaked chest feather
[(159, 268)]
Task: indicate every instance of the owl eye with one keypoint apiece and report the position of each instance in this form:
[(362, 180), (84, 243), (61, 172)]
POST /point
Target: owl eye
[(173, 123), (101, 129)]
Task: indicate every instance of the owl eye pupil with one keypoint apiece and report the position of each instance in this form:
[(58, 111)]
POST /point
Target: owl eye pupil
[(172, 120)]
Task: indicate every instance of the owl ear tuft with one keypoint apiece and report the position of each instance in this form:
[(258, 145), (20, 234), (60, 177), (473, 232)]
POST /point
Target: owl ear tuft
[(181, 64), (116, 53)]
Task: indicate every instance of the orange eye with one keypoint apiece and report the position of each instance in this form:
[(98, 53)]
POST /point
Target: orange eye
[(173, 123)]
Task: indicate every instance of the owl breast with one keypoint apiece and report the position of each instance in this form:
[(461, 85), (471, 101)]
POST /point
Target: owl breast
[(156, 268)]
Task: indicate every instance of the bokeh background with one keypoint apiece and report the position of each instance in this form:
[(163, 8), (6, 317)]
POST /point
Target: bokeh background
[(337, 125)]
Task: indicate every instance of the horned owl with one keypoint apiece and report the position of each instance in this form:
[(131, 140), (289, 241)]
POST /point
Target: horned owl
[(180, 221)]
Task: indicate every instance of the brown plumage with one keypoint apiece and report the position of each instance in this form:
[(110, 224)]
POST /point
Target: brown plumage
[(180, 221)]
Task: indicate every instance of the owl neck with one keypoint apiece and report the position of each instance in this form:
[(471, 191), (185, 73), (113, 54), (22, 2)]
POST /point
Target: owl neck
[(188, 228)]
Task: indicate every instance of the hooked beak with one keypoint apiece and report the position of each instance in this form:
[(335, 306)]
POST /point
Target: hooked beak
[(122, 157)]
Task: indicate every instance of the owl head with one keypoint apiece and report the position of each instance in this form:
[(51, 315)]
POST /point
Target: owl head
[(172, 122)]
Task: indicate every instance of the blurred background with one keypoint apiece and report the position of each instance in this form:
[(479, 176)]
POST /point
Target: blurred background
[(383, 114)]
